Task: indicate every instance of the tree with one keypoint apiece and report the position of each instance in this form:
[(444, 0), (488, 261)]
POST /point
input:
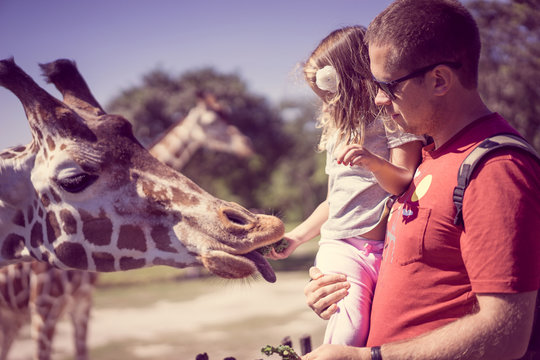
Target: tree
[(510, 61), (299, 182)]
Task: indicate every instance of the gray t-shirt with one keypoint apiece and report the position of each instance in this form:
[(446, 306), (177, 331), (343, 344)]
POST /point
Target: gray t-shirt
[(356, 201)]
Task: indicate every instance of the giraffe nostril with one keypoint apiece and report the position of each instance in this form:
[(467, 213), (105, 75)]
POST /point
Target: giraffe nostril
[(236, 217)]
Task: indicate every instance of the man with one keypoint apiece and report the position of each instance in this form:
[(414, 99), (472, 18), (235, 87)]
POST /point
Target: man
[(445, 291)]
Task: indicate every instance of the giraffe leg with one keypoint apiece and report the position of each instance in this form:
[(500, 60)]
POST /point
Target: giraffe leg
[(10, 328), (44, 321), (80, 317)]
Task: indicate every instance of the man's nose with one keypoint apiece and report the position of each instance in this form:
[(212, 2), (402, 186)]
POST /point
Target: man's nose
[(382, 98)]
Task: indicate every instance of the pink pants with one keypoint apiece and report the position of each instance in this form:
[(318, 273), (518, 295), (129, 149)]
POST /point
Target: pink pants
[(359, 259)]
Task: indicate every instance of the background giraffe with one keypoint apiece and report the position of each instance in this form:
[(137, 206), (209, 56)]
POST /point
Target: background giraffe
[(205, 126), (36, 292), (44, 292)]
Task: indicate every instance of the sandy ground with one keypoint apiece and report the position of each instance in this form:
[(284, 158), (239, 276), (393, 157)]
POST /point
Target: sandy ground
[(208, 322)]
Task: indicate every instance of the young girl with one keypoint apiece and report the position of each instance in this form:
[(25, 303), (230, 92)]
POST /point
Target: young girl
[(367, 160)]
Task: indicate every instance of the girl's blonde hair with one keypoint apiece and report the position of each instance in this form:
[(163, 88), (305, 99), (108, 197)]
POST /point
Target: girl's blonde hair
[(350, 109)]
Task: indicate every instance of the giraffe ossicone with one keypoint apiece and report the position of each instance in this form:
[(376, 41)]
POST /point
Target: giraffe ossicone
[(84, 194)]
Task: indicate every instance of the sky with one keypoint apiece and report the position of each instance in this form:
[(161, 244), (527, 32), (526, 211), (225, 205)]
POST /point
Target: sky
[(116, 42)]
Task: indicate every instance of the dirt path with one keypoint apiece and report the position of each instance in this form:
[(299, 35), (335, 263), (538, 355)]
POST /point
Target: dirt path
[(233, 320)]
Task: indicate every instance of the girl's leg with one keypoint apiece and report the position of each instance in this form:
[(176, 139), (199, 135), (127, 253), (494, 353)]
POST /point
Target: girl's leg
[(359, 260)]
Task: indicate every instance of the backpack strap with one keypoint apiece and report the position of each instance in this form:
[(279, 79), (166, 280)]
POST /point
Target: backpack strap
[(468, 165), (465, 171)]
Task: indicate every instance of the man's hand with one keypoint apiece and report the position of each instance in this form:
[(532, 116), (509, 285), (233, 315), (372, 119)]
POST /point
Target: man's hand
[(324, 291)]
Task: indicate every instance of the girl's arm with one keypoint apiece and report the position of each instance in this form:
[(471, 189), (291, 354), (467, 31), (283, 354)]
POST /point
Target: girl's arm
[(307, 230), (393, 176)]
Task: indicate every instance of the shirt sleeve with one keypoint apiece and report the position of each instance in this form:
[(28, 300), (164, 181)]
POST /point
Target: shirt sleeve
[(398, 137), (500, 242)]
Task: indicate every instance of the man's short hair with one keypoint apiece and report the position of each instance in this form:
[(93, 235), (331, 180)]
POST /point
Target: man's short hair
[(425, 32)]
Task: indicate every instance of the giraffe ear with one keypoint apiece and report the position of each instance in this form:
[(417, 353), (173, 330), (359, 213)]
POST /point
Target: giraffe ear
[(63, 73), (45, 114)]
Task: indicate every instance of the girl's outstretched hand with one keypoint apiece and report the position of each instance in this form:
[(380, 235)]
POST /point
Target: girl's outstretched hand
[(284, 253)]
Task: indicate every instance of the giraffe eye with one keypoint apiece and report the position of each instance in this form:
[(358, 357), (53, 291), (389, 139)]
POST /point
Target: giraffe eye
[(77, 183)]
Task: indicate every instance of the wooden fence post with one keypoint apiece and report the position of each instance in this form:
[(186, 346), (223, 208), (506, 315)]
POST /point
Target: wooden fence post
[(305, 344)]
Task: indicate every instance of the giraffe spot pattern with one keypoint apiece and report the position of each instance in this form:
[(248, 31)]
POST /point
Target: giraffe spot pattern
[(129, 263), (160, 236), (57, 287), (50, 143), (72, 255), (18, 219), (183, 198), (96, 230), (12, 246), (150, 191), (7, 155), (68, 221), (155, 211), (131, 237), (53, 227), (45, 200), (194, 188), (55, 196), (18, 287), (38, 135), (13, 290), (36, 235), (104, 261), (30, 214)]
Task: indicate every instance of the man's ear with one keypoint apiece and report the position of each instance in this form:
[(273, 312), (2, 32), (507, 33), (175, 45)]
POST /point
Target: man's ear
[(443, 78)]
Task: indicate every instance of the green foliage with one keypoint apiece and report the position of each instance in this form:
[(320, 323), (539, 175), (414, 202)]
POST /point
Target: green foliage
[(510, 61), (285, 351), (298, 183), (279, 246)]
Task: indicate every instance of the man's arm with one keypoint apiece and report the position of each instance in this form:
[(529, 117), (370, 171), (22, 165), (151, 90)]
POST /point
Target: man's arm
[(500, 329)]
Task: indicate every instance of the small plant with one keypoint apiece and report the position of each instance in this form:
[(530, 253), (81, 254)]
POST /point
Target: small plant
[(285, 351), (279, 246)]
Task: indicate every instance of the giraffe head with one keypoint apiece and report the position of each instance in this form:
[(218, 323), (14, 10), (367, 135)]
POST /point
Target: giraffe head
[(221, 135), (84, 194), (205, 126)]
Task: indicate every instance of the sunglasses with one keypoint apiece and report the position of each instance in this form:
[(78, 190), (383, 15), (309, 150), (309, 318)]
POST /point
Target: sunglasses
[(388, 87)]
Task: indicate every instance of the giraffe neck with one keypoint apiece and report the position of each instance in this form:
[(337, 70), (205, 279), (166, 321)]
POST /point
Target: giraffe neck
[(17, 201), (176, 148), (179, 145)]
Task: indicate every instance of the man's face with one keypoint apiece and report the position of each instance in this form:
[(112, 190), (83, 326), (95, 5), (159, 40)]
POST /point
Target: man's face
[(408, 104)]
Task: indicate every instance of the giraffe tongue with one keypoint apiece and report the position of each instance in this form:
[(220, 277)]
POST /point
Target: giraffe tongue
[(262, 265)]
